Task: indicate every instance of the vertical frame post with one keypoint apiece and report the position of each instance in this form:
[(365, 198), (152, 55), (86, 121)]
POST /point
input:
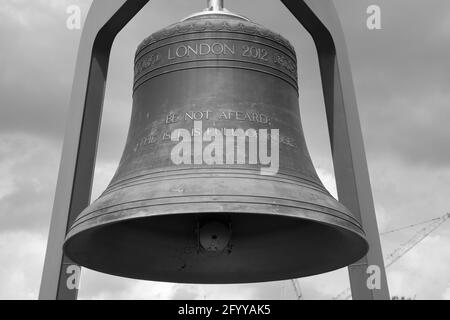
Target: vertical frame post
[(105, 19), (320, 19)]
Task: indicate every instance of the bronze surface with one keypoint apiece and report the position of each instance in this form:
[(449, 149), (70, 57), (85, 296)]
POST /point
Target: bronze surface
[(225, 73)]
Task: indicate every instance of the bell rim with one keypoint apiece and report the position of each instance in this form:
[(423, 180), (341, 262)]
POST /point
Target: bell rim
[(356, 234), (83, 226)]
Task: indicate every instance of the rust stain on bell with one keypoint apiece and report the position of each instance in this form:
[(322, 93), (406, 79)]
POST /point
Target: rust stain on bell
[(221, 223)]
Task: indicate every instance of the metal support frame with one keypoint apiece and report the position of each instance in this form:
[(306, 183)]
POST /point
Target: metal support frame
[(105, 20)]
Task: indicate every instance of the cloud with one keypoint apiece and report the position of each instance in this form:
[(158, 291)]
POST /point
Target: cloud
[(446, 295), (28, 168), (328, 181), (21, 261), (36, 66), (28, 177), (100, 286), (423, 272), (402, 79)]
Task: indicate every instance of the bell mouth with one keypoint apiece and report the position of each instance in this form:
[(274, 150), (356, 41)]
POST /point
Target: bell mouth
[(260, 248)]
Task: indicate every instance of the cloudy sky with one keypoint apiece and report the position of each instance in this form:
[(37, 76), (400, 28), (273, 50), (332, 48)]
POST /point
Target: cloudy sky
[(402, 78)]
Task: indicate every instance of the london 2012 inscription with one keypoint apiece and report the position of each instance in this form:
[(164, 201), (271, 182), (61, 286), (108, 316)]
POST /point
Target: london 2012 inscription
[(261, 56)]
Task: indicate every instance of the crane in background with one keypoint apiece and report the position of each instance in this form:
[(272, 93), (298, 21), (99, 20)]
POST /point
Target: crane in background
[(297, 289), (430, 227)]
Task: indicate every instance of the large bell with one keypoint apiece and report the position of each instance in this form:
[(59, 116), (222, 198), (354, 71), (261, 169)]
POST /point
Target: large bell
[(215, 221)]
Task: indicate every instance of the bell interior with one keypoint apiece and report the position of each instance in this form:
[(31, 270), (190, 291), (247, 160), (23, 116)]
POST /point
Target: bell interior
[(262, 247)]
